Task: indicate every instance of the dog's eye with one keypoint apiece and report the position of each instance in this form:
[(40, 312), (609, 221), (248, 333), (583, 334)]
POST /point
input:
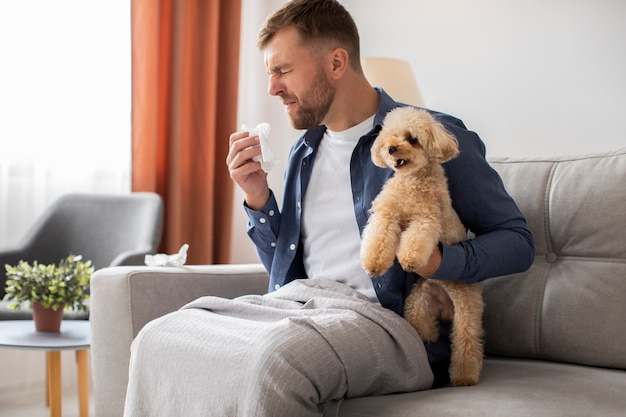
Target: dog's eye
[(412, 140)]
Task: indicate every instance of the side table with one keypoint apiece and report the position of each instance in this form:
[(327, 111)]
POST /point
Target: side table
[(74, 335)]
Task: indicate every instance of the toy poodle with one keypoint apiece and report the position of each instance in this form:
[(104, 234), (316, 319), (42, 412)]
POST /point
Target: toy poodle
[(410, 216)]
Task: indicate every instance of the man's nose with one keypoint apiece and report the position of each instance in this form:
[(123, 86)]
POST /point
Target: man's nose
[(274, 88)]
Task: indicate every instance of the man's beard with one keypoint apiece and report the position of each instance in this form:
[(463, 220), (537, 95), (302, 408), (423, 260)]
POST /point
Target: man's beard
[(313, 106)]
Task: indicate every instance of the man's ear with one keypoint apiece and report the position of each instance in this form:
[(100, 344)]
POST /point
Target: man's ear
[(339, 60)]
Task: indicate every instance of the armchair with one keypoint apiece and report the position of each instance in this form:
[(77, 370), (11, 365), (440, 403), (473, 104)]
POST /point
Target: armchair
[(109, 230)]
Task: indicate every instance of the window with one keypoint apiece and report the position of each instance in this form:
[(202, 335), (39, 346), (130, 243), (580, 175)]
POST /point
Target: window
[(65, 104)]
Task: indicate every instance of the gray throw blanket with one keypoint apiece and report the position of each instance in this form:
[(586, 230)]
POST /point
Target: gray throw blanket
[(296, 352)]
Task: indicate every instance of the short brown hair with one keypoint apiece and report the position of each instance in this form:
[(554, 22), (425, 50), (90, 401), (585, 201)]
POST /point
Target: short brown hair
[(318, 22)]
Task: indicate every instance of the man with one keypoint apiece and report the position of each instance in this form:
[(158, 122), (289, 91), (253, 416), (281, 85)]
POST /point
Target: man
[(312, 57), (326, 331)]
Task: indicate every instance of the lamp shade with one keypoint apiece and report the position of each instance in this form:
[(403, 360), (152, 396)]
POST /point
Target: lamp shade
[(395, 77)]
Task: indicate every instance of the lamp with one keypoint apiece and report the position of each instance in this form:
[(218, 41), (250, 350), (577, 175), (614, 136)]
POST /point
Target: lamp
[(395, 77)]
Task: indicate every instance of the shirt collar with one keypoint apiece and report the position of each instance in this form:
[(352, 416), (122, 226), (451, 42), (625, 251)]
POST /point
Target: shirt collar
[(312, 136)]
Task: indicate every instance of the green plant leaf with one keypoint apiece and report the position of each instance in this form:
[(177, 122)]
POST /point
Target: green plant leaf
[(52, 285)]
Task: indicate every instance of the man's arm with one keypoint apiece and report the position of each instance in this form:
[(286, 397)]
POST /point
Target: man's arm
[(503, 244)]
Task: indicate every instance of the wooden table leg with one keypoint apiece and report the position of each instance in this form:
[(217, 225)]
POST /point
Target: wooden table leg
[(82, 358), (47, 381), (54, 382)]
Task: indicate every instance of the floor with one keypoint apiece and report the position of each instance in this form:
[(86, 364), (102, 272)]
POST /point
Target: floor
[(22, 384), (38, 408)]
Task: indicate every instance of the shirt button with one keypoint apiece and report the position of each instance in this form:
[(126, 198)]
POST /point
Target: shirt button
[(277, 286), (292, 246), (273, 244), (271, 213), (298, 204), (262, 220)]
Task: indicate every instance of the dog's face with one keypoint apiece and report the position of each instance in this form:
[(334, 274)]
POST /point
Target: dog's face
[(411, 138)]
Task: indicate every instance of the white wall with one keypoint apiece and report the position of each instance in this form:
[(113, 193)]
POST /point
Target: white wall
[(531, 77)]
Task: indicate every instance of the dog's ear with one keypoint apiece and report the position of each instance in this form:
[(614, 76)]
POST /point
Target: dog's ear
[(441, 146), (377, 148)]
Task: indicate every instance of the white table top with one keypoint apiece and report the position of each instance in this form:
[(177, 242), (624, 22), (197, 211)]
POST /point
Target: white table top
[(21, 334)]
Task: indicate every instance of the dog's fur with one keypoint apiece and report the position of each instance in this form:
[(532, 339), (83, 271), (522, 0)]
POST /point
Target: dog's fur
[(410, 216)]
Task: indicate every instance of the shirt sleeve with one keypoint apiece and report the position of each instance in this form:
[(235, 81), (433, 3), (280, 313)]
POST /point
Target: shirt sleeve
[(263, 228), (502, 244)]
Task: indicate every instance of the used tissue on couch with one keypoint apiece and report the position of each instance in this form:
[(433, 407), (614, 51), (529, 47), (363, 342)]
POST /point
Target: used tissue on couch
[(162, 259)]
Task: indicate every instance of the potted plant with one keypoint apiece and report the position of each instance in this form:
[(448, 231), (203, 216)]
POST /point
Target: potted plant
[(49, 288)]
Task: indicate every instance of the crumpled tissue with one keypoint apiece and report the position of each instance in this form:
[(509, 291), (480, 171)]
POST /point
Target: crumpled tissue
[(267, 158), (161, 259)]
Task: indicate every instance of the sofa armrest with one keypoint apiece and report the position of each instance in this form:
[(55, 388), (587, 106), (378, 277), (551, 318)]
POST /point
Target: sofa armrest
[(125, 298)]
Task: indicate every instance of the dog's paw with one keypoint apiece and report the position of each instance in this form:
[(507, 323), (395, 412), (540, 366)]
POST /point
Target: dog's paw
[(465, 373), (376, 259), (374, 268), (412, 259), (464, 382), (410, 263), (409, 266)]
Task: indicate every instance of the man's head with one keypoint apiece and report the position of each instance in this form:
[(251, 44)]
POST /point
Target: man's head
[(321, 24), (308, 46)]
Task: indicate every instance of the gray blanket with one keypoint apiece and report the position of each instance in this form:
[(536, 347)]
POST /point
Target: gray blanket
[(296, 352)]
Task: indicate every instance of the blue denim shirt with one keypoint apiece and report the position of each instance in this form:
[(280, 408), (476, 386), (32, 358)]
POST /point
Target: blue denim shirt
[(502, 244)]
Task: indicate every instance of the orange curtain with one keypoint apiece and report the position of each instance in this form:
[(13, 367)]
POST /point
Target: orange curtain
[(185, 65)]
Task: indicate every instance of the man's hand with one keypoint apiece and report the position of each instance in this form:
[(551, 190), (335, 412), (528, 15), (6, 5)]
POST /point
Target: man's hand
[(432, 265), (245, 172)]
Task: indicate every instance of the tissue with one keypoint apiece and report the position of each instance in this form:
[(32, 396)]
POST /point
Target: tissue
[(267, 158), (161, 259)]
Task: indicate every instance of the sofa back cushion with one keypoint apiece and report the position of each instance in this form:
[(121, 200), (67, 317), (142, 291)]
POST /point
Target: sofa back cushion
[(570, 305)]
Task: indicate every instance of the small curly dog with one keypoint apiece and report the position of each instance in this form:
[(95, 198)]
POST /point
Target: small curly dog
[(410, 216)]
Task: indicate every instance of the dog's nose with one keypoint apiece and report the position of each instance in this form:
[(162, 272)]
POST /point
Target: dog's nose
[(392, 149)]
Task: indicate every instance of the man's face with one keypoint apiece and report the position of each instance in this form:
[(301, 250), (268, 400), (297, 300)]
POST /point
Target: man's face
[(297, 77)]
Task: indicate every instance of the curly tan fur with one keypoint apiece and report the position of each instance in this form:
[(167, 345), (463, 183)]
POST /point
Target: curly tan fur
[(410, 216)]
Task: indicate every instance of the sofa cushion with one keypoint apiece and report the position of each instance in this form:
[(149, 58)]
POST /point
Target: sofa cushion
[(509, 388), (569, 306)]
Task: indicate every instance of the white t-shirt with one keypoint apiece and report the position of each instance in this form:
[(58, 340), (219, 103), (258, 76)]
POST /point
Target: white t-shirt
[(330, 233)]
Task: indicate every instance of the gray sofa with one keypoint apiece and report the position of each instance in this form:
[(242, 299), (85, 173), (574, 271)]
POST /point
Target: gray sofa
[(555, 335)]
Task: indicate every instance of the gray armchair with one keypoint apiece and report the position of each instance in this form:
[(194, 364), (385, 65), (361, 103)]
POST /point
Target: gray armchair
[(110, 230)]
